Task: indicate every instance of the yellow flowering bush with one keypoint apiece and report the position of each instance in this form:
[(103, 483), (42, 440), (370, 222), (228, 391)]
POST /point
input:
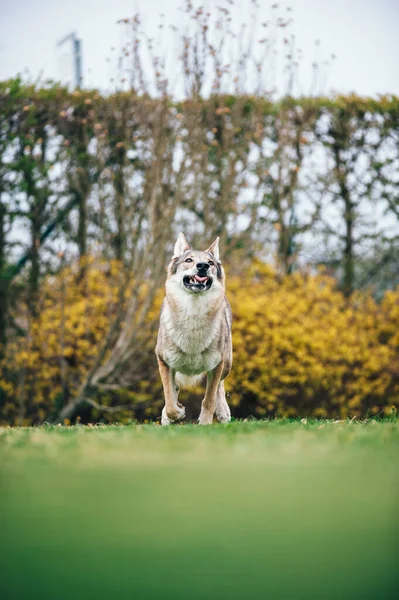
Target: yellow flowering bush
[(43, 369), (300, 349)]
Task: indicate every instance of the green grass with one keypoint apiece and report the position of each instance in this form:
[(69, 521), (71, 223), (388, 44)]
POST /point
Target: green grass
[(247, 510)]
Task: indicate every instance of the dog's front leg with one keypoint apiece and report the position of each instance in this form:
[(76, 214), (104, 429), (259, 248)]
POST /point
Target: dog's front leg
[(173, 410), (208, 405)]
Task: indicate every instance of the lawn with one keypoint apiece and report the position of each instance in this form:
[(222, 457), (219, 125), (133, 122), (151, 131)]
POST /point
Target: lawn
[(274, 510)]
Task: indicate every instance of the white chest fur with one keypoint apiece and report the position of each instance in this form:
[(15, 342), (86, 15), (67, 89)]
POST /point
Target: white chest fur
[(193, 330)]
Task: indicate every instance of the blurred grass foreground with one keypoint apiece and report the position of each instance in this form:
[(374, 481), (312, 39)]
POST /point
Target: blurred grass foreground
[(272, 509)]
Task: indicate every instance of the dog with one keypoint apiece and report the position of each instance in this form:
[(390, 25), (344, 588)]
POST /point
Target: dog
[(194, 337)]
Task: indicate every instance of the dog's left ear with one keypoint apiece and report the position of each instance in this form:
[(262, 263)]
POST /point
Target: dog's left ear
[(181, 246), (214, 249)]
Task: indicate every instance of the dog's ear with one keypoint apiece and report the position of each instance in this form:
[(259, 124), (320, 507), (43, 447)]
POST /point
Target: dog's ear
[(214, 249), (181, 246)]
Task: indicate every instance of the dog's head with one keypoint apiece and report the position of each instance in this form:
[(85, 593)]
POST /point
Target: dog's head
[(195, 271)]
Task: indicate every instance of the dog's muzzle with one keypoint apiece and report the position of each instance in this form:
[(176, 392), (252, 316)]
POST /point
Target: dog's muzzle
[(197, 283)]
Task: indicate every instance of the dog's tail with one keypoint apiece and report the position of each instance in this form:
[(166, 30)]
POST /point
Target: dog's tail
[(188, 381)]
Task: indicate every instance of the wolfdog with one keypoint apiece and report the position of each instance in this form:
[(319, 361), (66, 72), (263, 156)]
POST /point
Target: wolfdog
[(194, 337)]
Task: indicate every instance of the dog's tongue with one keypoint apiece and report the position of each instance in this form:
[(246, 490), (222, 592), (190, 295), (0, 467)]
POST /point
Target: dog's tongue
[(200, 279)]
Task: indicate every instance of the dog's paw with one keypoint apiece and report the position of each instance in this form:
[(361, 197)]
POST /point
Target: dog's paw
[(206, 417), (176, 415), (164, 418), (223, 414)]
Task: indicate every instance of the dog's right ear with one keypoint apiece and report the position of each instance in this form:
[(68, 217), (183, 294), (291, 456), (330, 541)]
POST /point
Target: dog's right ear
[(181, 246)]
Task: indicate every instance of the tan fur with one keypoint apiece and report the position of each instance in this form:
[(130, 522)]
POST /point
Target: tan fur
[(194, 337)]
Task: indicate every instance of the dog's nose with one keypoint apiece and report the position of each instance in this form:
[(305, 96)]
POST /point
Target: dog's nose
[(202, 266)]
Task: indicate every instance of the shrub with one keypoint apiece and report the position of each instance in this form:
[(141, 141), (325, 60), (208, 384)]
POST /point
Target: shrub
[(300, 349)]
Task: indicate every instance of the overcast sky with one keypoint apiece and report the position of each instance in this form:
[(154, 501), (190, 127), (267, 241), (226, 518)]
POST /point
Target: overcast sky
[(363, 34)]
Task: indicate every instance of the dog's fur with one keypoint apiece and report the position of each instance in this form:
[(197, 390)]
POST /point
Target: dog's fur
[(194, 337)]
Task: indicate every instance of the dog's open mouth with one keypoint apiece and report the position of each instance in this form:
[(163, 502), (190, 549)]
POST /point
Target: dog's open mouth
[(197, 283)]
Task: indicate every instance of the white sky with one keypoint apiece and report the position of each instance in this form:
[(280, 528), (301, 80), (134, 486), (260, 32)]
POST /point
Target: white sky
[(362, 33)]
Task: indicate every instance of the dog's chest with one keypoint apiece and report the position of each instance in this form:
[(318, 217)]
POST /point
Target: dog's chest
[(193, 339), (192, 363)]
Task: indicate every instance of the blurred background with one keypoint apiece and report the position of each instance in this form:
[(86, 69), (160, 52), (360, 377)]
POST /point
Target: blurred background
[(273, 126), (361, 34)]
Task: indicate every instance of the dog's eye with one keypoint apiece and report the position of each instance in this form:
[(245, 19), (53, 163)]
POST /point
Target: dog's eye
[(210, 262), (188, 260)]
